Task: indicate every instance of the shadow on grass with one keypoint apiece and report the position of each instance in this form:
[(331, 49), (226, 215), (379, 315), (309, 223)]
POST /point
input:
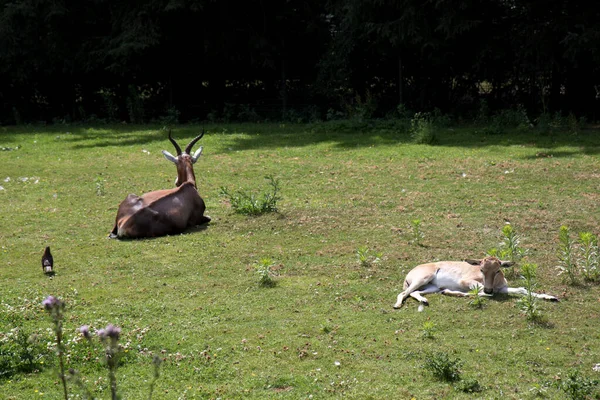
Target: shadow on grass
[(343, 134), (188, 231), (346, 137), (84, 137)]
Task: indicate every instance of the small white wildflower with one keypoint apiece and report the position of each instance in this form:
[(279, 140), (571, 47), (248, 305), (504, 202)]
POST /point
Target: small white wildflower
[(1, 188), (596, 368), (337, 363), (464, 175), (7, 179), (145, 151)]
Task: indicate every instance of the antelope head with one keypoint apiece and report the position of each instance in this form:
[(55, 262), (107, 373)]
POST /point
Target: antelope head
[(184, 161)]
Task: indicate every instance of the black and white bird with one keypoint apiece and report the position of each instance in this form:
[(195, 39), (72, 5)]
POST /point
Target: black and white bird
[(47, 261)]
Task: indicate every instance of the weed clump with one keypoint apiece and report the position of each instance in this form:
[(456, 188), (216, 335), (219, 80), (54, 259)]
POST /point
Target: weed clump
[(246, 203), (416, 234), (447, 369), (428, 331), (577, 386), (265, 274), (476, 301), (442, 367), (365, 259)]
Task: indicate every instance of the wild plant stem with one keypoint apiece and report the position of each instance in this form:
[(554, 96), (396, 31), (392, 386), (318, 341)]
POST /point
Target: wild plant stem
[(58, 327), (110, 359)]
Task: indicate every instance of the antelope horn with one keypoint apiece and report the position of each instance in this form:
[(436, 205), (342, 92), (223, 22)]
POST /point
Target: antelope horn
[(175, 144), (193, 142)]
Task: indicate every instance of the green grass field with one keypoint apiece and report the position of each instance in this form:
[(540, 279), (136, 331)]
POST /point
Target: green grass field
[(327, 329)]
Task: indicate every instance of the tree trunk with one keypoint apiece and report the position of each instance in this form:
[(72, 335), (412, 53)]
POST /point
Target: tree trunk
[(283, 90), (400, 86)]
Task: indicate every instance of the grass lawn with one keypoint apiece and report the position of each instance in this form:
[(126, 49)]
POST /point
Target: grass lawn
[(327, 329)]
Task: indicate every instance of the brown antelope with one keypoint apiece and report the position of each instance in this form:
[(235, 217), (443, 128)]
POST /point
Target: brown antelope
[(457, 278), (165, 212)]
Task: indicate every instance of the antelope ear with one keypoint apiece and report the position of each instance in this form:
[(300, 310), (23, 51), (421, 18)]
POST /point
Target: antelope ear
[(169, 156), (506, 264), (197, 154), (473, 262)]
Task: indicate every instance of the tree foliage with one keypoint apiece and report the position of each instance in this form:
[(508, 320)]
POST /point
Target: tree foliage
[(134, 61)]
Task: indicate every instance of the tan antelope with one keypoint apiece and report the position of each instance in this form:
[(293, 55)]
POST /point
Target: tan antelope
[(165, 212), (457, 278)]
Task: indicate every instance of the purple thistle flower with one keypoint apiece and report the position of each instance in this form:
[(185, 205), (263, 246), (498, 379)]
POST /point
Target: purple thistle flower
[(113, 332), (51, 302), (85, 332)]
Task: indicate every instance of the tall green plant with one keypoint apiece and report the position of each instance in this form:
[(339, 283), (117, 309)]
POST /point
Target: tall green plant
[(417, 234), (528, 302), (510, 249), (566, 256), (588, 256)]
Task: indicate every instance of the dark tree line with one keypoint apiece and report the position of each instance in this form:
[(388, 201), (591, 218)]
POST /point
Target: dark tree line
[(196, 59)]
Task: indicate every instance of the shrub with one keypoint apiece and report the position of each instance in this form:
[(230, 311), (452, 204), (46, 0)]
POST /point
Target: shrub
[(247, 114), (361, 109), (549, 123), (135, 105), (171, 117), (422, 129)]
